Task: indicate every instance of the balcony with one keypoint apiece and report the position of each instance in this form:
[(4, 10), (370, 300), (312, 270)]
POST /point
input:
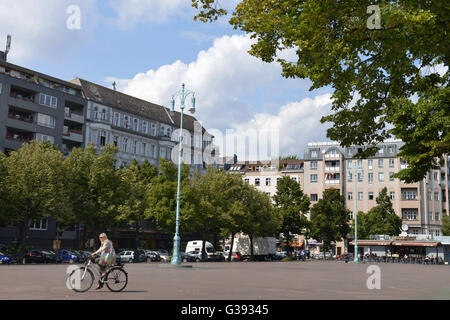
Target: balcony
[(332, 156), (22, 95), (19, 136), (73, 134), (332, 169), (20, 115), (332, 181), (72, 116)]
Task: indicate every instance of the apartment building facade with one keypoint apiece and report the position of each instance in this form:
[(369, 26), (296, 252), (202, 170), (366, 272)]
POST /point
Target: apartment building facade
[(141, 130), (421, 205), (35, 106)]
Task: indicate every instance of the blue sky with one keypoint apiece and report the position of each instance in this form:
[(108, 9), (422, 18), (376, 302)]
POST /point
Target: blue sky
[(150, 46)]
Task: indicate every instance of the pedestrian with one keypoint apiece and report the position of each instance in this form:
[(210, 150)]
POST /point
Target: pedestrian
[(302, 255)]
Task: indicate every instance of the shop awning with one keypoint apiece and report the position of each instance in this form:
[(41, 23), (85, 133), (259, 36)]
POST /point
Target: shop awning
[(371, 243), (417, 243)]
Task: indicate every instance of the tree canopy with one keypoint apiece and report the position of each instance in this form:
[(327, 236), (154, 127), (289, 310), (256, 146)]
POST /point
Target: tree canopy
[(388, 66)]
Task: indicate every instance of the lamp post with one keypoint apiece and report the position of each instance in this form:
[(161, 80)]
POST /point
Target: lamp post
[(182, 95), (355, 176)]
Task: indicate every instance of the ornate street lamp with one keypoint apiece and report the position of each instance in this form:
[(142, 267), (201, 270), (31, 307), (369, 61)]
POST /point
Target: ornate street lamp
[(355, 176), (182, 94)]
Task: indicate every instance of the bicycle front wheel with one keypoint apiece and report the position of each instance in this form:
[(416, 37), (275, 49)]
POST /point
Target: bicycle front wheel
[(116, 279), (81, 280)]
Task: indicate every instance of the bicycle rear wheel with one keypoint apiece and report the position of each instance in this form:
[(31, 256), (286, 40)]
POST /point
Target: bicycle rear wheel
[(81, 281), (116, 279)]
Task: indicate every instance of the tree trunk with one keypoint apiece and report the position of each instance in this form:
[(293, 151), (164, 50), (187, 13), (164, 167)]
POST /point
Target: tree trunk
[(251, 248), (23, 231), (231, 247), (204, 255), (288, 248)]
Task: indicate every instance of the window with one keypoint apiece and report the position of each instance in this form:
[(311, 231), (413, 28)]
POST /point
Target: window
[(370, 164), (392, 195), (47, 100), (126, 122), (314, 178), (144, 126), (246, 180), (135, 124), (360, 164), (391, 149), (380, 162), (350, 195), (168, 132), (102, 140), (257, 182), (381, 177), (391, 178), (294, 178), (409, 214), (350, 165), (437, 233), (116, 120), (125, 145), (350, 177), (278, 180), (435, 176), (370, 195), (116, 140), (42, 137), (153, 129), (370, 177), (351, 215), (313, 165), (38, 225), (267, 181), (313, 197), (162, 152), (391, 163), (360, 196), (46, 120), (436, 216), (154, 151), (314, 153), (360, 177), (134, 147), (409, 194), (436, 195), (381, 151), (144, 149), (268, 194), (429, 195)]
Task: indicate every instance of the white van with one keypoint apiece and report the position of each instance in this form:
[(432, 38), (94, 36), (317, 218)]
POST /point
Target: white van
[(197, 245)]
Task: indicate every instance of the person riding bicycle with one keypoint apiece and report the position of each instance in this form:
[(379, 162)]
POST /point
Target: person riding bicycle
[(107, 256)]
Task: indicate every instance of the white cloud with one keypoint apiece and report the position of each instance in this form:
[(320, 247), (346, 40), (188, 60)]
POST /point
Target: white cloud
[(297, 124), (39, 28), (132, 12), (225, 78), (221, 77)]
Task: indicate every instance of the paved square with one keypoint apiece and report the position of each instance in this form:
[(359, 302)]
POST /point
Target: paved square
[(238, 281)]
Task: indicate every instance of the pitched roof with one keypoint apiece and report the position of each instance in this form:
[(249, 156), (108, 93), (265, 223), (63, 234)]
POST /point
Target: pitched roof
[(127, 103)]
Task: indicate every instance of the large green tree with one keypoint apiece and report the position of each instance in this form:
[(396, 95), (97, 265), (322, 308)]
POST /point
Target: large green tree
[(445, 225), (260, 218), (3, 194), (135, 184), (329, 218), (35, 187), (95, 189), (382, 63), (292, 205), (381, 219)]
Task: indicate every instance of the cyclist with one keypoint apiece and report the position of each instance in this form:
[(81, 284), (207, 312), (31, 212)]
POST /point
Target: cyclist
[(107, 256)]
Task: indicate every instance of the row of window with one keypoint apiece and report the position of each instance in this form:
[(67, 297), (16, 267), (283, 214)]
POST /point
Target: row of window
[(314, 164), (269, 181)]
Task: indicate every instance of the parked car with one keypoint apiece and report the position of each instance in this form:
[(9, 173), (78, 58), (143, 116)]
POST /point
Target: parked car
[(141, 254), (345, 256), (185, 257), (81, 257), (125, 256), (319, 256), (196, 256), (34, 256), (280, 255), (164, 255), (51, 257), (235, 256), (152, 256), (8, 258), (68, 256)]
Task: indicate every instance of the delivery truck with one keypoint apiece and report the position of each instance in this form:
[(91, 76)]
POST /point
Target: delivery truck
[(264, 248)]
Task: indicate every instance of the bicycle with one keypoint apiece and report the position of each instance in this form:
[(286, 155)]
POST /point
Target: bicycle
[(116, 278)]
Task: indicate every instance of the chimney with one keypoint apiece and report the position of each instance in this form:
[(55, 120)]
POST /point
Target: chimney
[(2, 56)]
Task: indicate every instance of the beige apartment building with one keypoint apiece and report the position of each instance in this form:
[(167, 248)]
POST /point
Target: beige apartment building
[(421, 205)]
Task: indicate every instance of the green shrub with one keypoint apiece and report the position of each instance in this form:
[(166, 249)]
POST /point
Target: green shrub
[(287, 259)]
